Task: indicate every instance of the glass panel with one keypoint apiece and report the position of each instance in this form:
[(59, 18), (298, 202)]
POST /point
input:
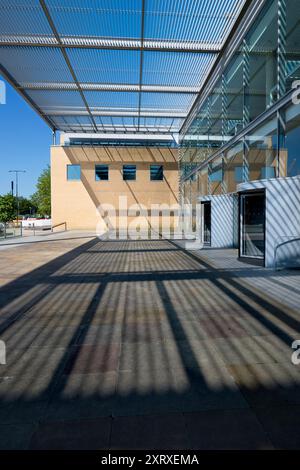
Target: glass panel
[(73, 172), (203, 182), (216, 176), (129, 172), (262, 150), (289, 154), (253, 225), (156, 172), (101, 172), (194, 200), (215, 128), (292, 42), (187, 192), (233, 167), (234, 96), (262, 49)]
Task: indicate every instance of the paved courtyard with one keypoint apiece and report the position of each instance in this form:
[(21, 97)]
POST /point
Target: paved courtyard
[(141, 344)]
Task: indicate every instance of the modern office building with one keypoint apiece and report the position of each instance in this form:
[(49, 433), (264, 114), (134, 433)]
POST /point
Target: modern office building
[(133, 87), (239, 147), (118, 178)]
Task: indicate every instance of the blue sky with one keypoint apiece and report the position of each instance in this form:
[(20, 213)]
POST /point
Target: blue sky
[(24, 143)]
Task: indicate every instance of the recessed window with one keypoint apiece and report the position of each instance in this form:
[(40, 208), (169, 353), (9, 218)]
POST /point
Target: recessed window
[(156, 172), (101, 172), (129, 172), (73, 172)]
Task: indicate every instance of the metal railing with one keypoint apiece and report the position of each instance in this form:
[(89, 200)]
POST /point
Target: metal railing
[(10, 230), (58, 225)]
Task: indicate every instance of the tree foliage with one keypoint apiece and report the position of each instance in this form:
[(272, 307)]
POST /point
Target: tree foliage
[(42, 197), (7, 208), (26, 206)]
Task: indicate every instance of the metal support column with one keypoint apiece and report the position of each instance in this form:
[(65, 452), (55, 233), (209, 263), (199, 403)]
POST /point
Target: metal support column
[(281, 49)]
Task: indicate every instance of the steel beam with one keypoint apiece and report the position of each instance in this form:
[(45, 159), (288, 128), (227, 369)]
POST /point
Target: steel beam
[(118, 87), (6, 75), (110, 44), (65, 55)]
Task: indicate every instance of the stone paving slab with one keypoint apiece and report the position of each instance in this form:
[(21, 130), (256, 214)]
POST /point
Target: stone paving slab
[(181, 349)]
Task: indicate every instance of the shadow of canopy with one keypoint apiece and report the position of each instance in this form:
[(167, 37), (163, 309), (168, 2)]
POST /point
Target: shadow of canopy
[(116, 338)]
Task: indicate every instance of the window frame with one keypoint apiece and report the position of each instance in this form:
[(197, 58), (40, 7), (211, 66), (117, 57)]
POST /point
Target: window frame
[(156, 179), (69, 165), (129, 165), (97, 179)]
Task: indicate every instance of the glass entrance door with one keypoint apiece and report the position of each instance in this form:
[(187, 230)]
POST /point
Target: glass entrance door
[(206, 219), (252, 217)]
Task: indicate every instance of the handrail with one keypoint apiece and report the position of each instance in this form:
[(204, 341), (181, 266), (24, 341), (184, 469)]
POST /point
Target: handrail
[(58, 225), (281, 244)]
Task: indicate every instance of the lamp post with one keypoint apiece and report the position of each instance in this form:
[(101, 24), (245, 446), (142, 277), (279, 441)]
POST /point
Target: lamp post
[(17, 188)]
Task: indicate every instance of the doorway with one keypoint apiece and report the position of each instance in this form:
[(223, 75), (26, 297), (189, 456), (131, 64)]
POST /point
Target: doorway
[(206, 223), (252, 225)]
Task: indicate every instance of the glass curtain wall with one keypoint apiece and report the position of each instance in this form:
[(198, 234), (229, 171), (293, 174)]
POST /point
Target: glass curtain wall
[(234, 167), (261, 152), (261, 71), (260, 57), (289, 154), (292, 42)]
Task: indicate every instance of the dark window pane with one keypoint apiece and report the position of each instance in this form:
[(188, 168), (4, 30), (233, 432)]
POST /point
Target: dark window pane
[(101, 172), (129, 172), (73, 172), (156, 172)]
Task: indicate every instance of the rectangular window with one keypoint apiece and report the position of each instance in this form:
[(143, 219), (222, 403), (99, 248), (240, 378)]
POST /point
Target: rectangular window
[(101, 172), (129, 172), (156, 172), (73, 172)]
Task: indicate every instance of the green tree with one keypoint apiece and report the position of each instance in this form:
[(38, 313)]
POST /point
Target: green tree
[(42, 197), (26, 206), (7, 208)]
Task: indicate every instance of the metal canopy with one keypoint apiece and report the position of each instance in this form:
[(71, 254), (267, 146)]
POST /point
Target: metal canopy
[(112, 65)]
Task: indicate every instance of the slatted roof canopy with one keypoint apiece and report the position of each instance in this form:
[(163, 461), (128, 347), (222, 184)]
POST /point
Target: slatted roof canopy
[(112, 65)]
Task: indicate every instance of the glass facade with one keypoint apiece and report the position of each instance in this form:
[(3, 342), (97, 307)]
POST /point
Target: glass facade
[(261, 151), (257, 77), (289, 160)]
